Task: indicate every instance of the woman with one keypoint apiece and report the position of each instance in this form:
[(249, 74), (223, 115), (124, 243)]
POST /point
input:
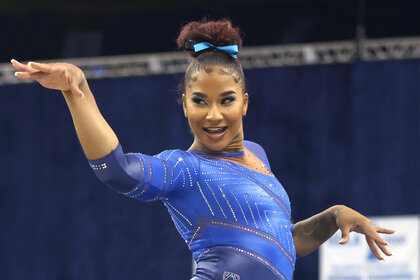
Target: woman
[(222, 197)]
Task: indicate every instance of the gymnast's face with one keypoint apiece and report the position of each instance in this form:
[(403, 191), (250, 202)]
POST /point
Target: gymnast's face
[(215, 104)]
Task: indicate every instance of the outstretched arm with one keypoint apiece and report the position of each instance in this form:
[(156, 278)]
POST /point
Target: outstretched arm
[(309, 234), (95, 135), (138, 176)]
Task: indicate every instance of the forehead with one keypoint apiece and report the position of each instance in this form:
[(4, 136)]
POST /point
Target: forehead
[(214, 80)]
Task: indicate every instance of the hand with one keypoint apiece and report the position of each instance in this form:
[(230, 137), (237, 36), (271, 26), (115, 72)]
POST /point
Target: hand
[(62, 76), (348, 220)]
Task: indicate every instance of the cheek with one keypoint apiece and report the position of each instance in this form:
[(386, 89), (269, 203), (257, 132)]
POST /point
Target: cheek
[(194, 116), (234, 115)]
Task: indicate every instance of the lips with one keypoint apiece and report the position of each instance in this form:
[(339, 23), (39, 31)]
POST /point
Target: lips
[(215, 133), (215, 130)]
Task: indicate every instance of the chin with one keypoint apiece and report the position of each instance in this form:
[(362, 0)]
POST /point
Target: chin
[(216, 146)]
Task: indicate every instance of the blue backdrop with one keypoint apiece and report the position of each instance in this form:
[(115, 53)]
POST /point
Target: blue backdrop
[(338, 134)]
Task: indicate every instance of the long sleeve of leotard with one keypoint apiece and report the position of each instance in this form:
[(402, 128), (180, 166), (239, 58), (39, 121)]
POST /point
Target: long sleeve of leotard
[(146, 177)]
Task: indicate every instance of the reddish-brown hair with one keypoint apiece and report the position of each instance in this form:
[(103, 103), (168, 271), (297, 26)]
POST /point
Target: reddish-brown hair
[(217, 32)]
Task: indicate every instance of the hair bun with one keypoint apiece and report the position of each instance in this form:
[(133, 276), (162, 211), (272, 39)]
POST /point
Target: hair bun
[(218, 32)]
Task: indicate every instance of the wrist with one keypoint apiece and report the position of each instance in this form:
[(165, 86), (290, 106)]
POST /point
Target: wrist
[(337, 209), (334, 212)]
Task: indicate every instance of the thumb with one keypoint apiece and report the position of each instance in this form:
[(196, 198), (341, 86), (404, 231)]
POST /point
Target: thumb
[(345, 235), (74, 87)]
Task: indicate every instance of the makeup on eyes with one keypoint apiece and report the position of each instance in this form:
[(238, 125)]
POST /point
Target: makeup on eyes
[(230, 99), (200, 98), (223, 94)]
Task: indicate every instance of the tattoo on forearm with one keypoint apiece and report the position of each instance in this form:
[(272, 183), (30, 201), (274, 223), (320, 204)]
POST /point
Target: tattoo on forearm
[(318, 228)]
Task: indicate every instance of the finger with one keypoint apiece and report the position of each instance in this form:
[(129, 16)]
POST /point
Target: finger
[(74, 87), (41, 66), (384, 249), (345, 236), (375, 236), (21, 67), (374, 248), (384, 230), (76, 91), (30, 75)]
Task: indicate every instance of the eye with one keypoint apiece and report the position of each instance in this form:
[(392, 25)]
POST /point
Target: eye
[(228, 100), (198, 100)]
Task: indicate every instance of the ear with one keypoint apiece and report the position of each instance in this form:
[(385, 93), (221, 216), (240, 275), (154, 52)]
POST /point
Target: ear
[(184, 105), (245, 108)]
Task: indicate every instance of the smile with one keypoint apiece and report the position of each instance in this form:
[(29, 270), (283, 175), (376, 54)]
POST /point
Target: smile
[(215, 133)]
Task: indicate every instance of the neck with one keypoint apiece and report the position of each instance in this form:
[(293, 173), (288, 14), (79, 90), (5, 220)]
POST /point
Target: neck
[(237, 145)]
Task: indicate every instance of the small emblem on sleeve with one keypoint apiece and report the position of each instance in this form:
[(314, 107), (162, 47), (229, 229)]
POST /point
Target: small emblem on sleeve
[(230, 276), (98, 166)]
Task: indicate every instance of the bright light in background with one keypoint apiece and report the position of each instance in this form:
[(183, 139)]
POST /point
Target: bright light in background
[(354, 260)]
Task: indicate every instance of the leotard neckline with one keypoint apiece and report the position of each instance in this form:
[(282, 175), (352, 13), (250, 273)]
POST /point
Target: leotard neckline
[(241, 153), (232, 162)]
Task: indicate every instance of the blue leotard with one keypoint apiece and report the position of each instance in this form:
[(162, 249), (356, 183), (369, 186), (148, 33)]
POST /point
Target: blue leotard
[(235, 220)]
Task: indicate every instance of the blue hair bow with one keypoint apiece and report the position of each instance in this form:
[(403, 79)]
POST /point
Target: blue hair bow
[(231, 49)]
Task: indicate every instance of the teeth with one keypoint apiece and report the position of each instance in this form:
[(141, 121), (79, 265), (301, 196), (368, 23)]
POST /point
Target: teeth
[(214, 129)]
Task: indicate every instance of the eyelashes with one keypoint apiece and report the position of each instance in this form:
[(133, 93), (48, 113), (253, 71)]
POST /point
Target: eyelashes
[(228, 100), (201, 101), (198, 100)]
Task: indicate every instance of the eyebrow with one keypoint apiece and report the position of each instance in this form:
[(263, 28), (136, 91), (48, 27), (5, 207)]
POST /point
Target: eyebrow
[(223, 94)]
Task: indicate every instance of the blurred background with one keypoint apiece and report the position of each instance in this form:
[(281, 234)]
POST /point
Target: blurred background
[(45, 29), (335, 102)]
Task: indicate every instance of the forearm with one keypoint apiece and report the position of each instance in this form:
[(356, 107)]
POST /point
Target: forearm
[(95, 135), (309, 234)]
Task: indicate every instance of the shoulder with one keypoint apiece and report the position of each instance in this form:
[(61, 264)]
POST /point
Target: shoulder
[(252, 146), (183, 165), (257, 150), (170, 155), (175, 156)]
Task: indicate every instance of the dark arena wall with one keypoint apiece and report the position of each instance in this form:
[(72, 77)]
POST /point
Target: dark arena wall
[(40, 29), (334, 134)]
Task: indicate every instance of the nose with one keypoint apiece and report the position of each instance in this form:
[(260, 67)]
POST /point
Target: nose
[(214, 114)]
